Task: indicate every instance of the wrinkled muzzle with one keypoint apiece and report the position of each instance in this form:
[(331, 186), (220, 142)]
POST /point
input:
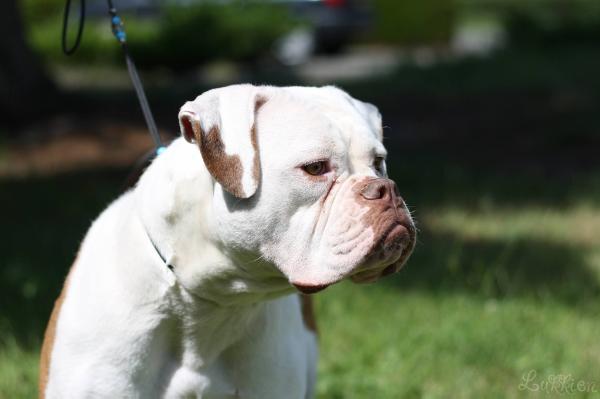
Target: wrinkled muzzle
[(369, 234)]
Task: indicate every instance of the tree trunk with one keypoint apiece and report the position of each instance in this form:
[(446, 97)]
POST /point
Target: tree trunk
[(26, 92)]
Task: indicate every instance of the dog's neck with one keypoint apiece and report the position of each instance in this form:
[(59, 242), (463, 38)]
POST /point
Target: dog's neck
[(176, 214)]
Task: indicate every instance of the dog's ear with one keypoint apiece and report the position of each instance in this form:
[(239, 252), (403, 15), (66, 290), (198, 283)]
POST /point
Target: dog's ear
[(223, 124)]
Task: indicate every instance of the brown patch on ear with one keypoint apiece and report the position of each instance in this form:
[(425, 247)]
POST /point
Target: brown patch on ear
[(308, 313), (226, 169), (49, 337), (260, 101)]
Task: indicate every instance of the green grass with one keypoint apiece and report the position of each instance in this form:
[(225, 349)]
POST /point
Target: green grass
[(380, 342), (18, 370)]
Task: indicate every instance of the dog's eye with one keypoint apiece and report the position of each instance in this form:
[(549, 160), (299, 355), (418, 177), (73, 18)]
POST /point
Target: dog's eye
[(378, 165), (316, 168)]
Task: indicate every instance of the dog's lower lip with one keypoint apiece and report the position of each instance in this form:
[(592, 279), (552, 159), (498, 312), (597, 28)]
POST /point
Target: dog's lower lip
[(391, 269), (310, 289), (366, 276), (395, 231)]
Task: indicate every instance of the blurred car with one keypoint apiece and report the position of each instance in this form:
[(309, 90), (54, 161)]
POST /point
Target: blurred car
[(335, 22), (327, 26)]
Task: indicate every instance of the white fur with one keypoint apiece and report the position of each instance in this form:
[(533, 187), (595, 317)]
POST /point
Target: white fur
[(226, 322)]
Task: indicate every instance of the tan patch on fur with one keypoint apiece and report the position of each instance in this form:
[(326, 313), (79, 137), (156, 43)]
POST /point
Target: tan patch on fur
[(49, 337), (260, 101), (226, 169), (308, 313)]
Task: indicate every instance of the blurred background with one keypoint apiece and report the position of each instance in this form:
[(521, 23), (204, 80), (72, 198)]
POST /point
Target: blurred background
[(492, 118)]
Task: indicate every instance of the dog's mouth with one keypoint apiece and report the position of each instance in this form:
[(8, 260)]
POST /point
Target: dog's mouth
[(388, 256), (310, 289)]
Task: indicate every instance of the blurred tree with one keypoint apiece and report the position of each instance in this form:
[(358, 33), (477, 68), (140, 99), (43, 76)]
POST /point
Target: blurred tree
[(415, 22), (25, 89)]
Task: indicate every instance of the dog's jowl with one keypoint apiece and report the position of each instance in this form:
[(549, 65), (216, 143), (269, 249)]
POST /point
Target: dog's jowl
[(193, 283)]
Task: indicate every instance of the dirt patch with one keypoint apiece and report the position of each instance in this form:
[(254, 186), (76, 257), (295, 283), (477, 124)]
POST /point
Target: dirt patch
[(68, 144)]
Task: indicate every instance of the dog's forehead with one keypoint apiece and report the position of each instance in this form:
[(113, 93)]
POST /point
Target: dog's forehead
[(321, 118), (340, 106)]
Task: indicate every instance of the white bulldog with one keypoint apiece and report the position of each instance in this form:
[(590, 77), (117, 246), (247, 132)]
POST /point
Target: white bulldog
[(186, 286)]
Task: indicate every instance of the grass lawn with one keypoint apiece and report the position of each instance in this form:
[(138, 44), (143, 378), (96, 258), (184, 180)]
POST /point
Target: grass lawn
[(382, 342), (505, 279)]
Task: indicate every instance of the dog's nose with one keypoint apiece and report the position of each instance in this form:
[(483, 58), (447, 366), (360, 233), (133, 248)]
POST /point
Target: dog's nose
[(381, 189)]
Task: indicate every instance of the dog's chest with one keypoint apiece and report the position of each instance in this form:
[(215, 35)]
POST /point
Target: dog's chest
[(235, 377), (266, 358)]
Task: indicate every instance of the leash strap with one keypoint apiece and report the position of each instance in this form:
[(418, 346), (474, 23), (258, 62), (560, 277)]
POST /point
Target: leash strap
[(160, 255), (70, 50), (118, 29)]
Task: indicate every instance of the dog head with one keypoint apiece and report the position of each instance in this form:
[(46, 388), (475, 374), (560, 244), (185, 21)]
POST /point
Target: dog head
[(301, 182)]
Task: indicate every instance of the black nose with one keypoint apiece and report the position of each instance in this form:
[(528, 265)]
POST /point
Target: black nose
[(380, 189)]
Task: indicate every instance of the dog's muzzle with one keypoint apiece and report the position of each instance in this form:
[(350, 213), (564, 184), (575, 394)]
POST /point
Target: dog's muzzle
[(395, 233)]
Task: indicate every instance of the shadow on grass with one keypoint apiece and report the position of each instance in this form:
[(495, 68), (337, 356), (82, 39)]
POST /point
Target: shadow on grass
[(45, 219), (499, 269), (429, 179), (494, 268)]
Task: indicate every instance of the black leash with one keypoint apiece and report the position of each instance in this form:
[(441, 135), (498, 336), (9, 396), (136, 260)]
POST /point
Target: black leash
[(118, 29), (71, 50)]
